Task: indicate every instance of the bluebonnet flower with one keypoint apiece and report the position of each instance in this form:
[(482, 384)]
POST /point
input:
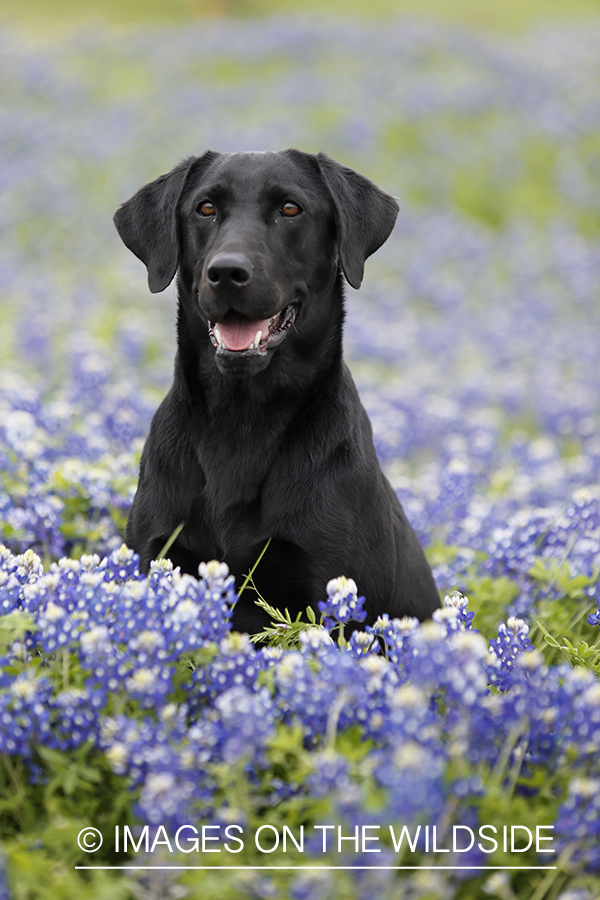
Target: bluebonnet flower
[(594, 618), (581, 730), (379, 674), (299, 693), (577, 826), (362, 643), (315, 885), (25, 714), (577, 893), (237, 663), (371, 695), (271, 655), (27, 567), (412, 775), (122, 565), (245, 722), (449, 618), (4, 893), (166, 759), (456, 600), (164, 797), (511, 641), (410, 718), (330, 771), (10, 591), (150, 684), (215, 575), (397, 635), (202, 611), (447, 404), (455, 665), (57, 629), (160, 574), (343, 604), (103, 659), (315, 639), (536, 705), (75, 719)]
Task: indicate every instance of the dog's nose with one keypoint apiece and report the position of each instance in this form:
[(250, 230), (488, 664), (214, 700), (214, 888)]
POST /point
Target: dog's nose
[(229, 270)]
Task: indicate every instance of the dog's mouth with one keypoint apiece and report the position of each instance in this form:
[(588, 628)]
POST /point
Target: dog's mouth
[(237, 334)]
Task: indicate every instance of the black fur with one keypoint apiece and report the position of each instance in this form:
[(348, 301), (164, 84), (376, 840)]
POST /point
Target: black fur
[(268, 442)]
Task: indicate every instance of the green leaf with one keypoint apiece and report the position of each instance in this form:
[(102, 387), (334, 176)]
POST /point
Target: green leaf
[(248, 577), (171, 540), (547, 636), (15, 625), (285, 633)]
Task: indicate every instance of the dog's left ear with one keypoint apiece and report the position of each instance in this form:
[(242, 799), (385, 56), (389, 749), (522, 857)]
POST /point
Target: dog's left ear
[(365, 215), (147, 223)]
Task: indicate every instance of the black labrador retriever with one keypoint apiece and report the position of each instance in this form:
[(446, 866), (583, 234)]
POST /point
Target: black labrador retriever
[(263, 434)]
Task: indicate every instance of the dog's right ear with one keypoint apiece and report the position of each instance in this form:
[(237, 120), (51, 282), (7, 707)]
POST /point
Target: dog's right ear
[(147, 223), (364, 215)]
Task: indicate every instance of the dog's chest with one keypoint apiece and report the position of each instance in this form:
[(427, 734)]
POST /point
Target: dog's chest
[(236, 463)]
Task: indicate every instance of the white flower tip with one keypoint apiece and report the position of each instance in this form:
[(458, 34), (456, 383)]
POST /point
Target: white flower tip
[(341, 585), (517, 626), (456, 599), (213, 571)]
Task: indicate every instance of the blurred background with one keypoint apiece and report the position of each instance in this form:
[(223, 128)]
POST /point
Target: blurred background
[(483, 112), (41, 15), (474, 339)]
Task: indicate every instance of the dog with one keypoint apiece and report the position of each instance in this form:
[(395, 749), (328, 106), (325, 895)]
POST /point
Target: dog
[(262, 434)]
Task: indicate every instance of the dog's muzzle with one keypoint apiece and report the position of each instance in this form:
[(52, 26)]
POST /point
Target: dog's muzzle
[(238, 335)]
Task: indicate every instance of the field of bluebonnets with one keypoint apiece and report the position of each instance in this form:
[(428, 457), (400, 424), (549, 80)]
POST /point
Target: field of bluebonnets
[(126, 701)]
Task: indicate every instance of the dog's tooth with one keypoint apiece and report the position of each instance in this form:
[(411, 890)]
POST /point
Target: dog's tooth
[(217, 334), (257, 339)]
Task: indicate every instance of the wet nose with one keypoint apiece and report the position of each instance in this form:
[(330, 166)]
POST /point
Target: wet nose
[(228, 270)]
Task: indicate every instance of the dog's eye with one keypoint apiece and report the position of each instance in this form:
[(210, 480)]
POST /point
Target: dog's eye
[(290, 209), (206, 208)]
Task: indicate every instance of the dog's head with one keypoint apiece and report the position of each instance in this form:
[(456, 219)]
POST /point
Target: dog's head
[(257, 238)]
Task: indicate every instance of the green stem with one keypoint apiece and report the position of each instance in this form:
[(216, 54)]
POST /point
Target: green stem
[(514, 736), (333, 718), (545, 885), (251, 572), (584, 611), (513, 775), (65, 669), (12, 775), (171, 541)]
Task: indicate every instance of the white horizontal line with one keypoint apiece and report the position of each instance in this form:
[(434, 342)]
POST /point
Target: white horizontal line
[(328, 868)]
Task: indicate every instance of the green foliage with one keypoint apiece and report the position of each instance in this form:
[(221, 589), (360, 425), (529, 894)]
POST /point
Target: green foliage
[(495, 14), (40, 817), (285, 632), (488, 599), (40, 820), (14, 626), (561, 628), (69, 485), (580, 654), (170, 541)]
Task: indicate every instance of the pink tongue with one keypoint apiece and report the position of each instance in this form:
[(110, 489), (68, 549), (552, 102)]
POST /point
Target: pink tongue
[(238, 333)]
